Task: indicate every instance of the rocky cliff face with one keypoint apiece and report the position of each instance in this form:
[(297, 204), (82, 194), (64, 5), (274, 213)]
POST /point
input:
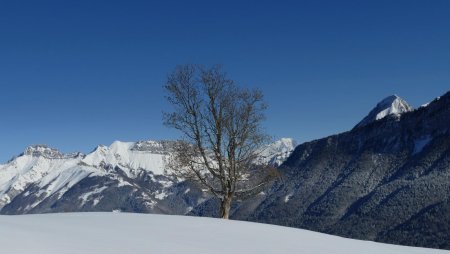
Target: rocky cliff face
[(386, 180)]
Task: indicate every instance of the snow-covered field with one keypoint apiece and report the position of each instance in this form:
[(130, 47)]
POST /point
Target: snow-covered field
[(143, 233)]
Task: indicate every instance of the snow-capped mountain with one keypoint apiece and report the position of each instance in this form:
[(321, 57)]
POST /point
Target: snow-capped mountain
[(148, 155), (277, 152), (392, 105), (42, 176), (125, 176), (386, 181), (39, 164)]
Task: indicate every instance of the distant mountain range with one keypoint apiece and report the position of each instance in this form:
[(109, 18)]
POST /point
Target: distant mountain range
[(125, 176), (387, 179)]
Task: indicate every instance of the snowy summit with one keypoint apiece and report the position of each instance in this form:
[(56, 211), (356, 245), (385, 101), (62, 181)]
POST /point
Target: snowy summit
[(392, 105), (277, 152)]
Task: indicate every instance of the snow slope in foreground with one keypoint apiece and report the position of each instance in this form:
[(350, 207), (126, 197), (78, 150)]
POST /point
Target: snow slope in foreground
[(144, 233)]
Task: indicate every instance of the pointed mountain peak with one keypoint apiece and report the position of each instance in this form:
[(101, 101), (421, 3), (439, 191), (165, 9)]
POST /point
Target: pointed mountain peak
[(391, 105), (101, 148), (389, 100)]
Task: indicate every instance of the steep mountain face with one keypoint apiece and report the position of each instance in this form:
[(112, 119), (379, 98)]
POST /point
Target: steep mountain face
[(390, 106), (386, 180), (276, 153), (125, 176)]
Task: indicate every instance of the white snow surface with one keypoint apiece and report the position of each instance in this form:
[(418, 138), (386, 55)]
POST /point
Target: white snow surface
[(50, 173), (277, 152), (392, 105), (114, 233), (86, 196), (123, 154)]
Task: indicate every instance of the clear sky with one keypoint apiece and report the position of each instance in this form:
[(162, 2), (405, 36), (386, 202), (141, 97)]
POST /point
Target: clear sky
[(74, 74)]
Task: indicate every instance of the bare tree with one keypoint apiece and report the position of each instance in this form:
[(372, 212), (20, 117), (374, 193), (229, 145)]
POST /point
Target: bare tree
[(221, 127)]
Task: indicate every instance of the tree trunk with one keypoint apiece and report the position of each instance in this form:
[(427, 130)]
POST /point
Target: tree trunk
[(225, 206)]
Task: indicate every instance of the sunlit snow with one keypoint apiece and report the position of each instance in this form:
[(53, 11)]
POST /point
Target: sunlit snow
[(118, 233)]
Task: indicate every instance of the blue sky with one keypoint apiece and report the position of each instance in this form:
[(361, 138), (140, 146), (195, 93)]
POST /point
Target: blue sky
[(74, 74)]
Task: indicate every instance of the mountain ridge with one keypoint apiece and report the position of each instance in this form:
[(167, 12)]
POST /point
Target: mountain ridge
[(387, 181), (43, 179)]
